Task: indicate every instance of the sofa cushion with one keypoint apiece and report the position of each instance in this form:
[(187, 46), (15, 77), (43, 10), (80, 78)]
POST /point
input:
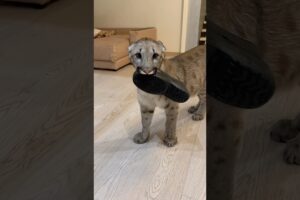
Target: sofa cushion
[(121, 36), (111, 65), (96, 32), (142, 33), (111, 48)]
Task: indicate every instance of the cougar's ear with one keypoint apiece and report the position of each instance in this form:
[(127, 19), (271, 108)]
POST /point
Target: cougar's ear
[(162, 46), (130, 48)]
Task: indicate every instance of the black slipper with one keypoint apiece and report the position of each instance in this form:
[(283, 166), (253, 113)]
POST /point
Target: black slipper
[(160, 83), (236, 74)]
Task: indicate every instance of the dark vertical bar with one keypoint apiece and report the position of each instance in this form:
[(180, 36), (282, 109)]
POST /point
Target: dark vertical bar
[(253, 76), (46, 103)]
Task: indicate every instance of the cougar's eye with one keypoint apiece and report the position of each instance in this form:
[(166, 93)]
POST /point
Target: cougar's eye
[(138, 55), (155, 55)]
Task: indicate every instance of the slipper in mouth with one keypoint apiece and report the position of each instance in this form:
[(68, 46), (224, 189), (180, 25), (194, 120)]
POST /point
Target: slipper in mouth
[(236, 74), (160, 83)]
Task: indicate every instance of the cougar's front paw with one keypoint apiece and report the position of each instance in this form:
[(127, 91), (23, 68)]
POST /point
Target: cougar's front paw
[(197, 116), (292, 152), (283, 131), (170, 142), (192, 109), (139, 138)]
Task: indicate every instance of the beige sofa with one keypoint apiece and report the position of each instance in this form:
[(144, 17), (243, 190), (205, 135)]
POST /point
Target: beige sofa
[(112, 52)]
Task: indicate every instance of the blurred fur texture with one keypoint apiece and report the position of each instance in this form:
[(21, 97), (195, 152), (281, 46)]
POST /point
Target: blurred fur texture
[(275, 30)]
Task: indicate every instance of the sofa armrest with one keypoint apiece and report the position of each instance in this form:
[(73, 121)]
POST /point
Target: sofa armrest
[(135, 35)]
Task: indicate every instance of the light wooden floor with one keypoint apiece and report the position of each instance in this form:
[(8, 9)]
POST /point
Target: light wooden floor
[(125, 170)]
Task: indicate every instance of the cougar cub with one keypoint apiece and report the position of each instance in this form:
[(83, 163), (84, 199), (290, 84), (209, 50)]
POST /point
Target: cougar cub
[(148, 54)]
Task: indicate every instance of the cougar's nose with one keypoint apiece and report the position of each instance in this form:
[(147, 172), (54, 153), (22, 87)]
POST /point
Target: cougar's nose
[(147, 70)]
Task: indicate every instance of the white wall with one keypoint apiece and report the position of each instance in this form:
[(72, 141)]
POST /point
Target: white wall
[(165, 15), (190, 25)]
